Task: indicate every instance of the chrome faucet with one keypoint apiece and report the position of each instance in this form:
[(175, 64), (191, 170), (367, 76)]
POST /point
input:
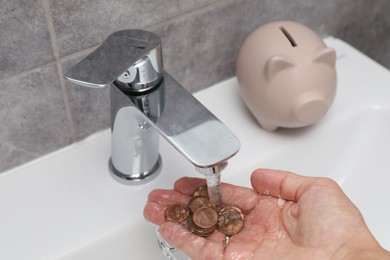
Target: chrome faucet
[(147, 102)]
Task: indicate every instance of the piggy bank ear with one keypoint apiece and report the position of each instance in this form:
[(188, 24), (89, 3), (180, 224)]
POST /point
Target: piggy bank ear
[(327, 56), (276, 64)]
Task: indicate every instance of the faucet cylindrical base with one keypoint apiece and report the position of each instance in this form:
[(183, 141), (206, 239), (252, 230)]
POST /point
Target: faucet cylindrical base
[(140, 178)]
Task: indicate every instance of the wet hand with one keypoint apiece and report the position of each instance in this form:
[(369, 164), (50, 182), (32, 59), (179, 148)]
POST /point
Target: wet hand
[(286, 216)]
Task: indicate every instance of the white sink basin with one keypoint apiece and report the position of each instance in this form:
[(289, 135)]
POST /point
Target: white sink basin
[(67, 206)]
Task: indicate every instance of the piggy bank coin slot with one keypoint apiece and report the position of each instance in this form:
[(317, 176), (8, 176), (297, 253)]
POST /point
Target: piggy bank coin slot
[(288, 36)]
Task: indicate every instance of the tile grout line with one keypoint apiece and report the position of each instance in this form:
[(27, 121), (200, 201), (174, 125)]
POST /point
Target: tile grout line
[(154, 26), (26, 72), (6, 143), (54, 45), (58, 58), (194, 12)]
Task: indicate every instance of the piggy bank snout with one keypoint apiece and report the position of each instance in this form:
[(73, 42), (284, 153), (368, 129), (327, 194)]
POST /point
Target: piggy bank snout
[(310, 107)]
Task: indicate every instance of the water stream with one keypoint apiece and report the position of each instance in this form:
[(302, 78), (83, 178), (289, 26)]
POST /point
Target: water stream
[(214, 190)]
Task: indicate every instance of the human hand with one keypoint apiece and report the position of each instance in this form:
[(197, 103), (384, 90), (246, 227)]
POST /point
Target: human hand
[(287, 216)]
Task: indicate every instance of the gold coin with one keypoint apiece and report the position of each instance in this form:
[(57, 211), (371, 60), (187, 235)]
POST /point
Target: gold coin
[(198, 202), (198, 231), (177, 212), (202, 188), (230, 220), (205, 218), (201, 192)]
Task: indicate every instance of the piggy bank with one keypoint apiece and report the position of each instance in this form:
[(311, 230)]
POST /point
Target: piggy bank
[(287, 75)]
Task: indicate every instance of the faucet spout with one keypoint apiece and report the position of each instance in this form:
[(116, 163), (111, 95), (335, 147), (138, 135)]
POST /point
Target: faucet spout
[(146, 102), (173, 113)]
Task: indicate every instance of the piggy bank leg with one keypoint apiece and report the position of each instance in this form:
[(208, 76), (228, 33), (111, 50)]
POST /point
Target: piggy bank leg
[(267, 126), (264, 123)]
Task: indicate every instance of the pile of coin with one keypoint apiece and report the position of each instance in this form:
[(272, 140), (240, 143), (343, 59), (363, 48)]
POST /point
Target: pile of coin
[(202, 219)]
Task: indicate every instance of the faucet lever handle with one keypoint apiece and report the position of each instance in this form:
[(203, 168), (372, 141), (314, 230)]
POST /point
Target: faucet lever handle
[(115, 56)]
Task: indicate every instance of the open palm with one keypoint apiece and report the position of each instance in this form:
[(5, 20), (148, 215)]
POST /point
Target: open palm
[(287, 216)]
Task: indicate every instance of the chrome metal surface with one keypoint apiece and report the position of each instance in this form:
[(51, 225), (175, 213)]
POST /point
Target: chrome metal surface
[(115, 56), (218, 168), (147, 102), (144, 74), (141, 178)]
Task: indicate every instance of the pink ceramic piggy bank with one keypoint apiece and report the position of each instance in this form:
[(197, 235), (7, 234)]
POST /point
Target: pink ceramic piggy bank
[(287, 75)]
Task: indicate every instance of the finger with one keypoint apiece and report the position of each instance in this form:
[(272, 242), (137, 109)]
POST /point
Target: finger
[(194, 246), (155, 212), (158, 200), (188, 186), (287, 185), (244, 198), (167, 197)]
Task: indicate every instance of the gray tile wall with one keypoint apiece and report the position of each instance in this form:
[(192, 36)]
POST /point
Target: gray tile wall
[(40, 39)]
